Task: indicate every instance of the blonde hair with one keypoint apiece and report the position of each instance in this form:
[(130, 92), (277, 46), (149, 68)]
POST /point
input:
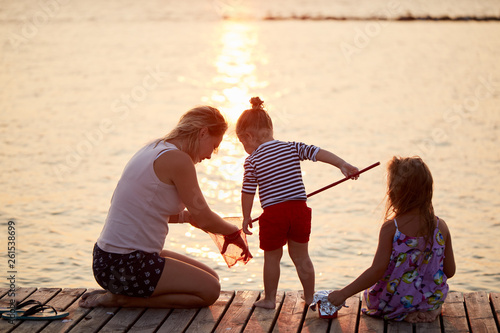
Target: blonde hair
[(190, 124), (410, 186), (255, 120)]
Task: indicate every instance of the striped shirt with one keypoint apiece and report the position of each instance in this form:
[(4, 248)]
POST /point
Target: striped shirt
[(274, 167)]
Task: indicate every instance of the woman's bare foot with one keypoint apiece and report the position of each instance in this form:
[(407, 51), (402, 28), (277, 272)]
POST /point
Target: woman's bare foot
[(98, 298), (265, 303)]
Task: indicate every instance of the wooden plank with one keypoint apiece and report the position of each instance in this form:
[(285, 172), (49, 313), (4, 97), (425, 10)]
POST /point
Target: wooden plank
[(453, 313), (20, 295), (292, 317), (94, 320), (495, 302), (292, 313), (76, 313), (479, 311), (4, 298), (238, 312), (62, 300), (434, 327), (207, 318), (123, 320), (150, 320), (178, 321), (87, 320), (42, 295), (3, 292), (262, 320), (313, 323), (369, 323), (347, 318), (399, 326)]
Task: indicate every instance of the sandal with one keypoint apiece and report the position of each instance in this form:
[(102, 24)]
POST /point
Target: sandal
[(18, 306), (36, 312)]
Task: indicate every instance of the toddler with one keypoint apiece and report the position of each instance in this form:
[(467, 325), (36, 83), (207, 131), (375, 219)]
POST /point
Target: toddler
[(274, 168)]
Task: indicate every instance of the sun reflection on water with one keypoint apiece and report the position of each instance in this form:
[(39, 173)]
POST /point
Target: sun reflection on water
[(234, 84), (236, 66)]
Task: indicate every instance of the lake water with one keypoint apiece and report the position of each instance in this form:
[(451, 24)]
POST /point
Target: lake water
[(86, 83)]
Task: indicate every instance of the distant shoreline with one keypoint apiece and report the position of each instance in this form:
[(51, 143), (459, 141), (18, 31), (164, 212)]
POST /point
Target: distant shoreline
[(371, 18)]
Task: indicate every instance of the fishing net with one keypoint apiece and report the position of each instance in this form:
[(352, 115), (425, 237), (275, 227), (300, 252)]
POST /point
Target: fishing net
[(233, 247)]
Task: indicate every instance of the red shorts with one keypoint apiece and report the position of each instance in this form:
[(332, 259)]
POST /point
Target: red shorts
[(283, 221)]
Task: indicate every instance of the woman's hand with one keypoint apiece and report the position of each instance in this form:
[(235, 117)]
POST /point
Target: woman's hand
[(236, 238)]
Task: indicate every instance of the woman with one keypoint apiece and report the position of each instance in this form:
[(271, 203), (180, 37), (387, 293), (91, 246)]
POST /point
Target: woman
[(129, 261)]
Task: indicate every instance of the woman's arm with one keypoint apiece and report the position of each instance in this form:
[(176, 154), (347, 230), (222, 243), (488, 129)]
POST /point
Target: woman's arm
[(179, 218), (183, 217), (176, 167), (374, 273), (326, 156)]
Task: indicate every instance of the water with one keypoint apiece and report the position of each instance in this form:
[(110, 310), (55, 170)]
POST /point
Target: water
[(86, 84)]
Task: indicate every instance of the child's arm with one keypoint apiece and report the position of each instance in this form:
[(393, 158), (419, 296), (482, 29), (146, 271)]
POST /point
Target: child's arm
[(374, 273), (246, 206), (328, 157), (449, 259)]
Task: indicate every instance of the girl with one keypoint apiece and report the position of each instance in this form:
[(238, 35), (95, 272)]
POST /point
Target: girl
[(408, 277), (129, 261), (274, 167)]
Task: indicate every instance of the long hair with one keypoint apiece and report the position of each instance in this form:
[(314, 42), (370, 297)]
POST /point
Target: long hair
[(410, 186), (255, 120), (190, 124)]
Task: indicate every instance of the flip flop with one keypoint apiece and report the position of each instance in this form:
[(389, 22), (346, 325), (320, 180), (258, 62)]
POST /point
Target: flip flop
[(36, 312), (18, 306)]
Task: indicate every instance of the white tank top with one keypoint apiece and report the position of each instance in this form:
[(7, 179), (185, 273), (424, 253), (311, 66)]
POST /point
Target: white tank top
[(141, 206)]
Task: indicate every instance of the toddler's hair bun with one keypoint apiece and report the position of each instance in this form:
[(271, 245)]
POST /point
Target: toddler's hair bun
[(256, 103)]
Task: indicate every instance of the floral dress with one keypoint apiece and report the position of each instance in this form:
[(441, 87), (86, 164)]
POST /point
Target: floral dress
[(414, 279)]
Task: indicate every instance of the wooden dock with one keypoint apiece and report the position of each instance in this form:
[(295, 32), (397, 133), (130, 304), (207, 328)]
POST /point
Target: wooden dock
[(234, 312)]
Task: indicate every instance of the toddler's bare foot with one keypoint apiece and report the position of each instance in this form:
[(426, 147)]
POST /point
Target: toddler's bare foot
[(265, 303), (308, 299)]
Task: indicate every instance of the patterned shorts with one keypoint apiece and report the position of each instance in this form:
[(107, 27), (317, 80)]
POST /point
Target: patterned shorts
[(133, 274)]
